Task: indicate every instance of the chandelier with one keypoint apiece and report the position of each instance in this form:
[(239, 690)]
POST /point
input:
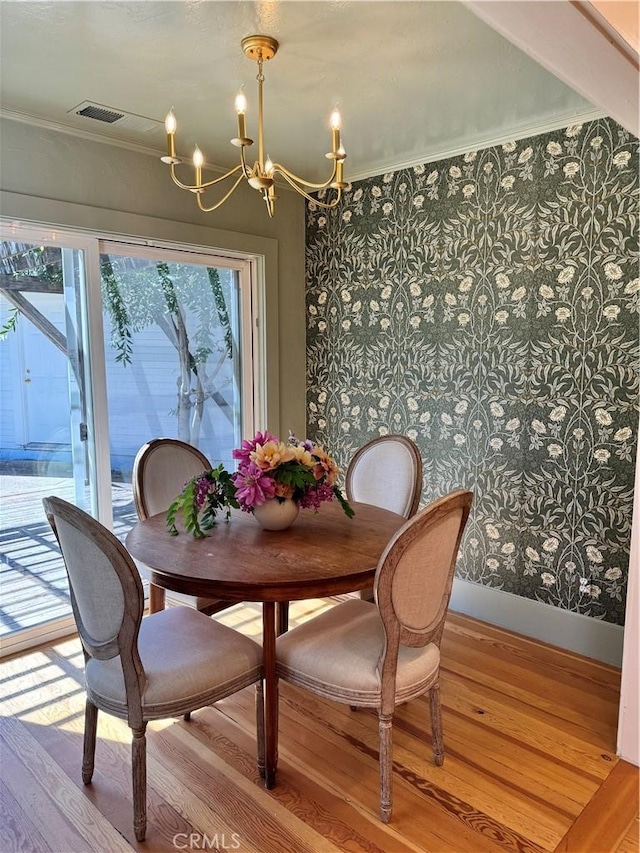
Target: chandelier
[(261, 176)]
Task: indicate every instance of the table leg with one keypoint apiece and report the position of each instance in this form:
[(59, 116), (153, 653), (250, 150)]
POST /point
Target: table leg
[(270, 692), (156, 598), (282, 617)]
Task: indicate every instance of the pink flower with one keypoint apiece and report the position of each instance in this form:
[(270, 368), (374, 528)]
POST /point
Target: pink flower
[(247, 447), (253, 487), (315, 495)]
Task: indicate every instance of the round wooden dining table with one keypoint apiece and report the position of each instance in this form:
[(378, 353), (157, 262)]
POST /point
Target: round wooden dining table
[(323, 553)]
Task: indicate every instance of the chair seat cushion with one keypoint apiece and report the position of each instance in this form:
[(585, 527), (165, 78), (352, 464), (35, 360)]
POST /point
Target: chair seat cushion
[(189, 660), (336, 655)]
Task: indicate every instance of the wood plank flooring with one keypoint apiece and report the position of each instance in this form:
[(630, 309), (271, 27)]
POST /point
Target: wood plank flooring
[(530, 735)]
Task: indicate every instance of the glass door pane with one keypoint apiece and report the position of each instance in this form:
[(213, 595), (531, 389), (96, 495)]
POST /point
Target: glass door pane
[(44, 425), (172, 360)]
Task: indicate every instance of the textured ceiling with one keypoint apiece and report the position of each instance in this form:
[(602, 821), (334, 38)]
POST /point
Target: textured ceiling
[(413, 80)]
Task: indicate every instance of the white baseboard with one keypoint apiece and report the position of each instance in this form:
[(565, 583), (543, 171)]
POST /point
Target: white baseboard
[(581, 634)]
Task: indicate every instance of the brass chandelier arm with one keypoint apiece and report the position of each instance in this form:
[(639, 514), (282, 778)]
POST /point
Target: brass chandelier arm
[(224, 197), (212, 183), (280, 169), (326, 206)]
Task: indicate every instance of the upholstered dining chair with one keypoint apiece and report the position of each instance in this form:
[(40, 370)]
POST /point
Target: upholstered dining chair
[(386, 472), (166, 665), (384, 653), (160, 470)]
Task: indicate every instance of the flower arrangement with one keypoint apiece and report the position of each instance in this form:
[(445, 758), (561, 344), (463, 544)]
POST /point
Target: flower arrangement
[(267, 469), (299, 470)]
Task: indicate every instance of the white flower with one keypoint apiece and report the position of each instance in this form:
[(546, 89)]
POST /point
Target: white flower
[(322, 326), (376, 192), (566, 275), (547, 579), (492, 564), (596, 142), (508, 548), (473, 542), (387, 207), (603, 417), (512, 424), (412, 433), (482, 299), (487, 168), (519, 293), (492, 531), (611, 311), (459, 439), (414, 322), (463, 318), (313, 310), (578, 433), (633, 286), (357, 194), (446, 419), (613, 574), (594, 591), (387, 177), (554, 450), (495, 443), (419, 170), (554, 149), (477, 423), (587, 293), (508, 147), (345, 296), (373, 413), (502, 316), (503, 280), (346, 216), (357, 305), (621, 159), (345, 399), (550, 545), (455, 172), (414, 289), (427, 302), (374, 305), (346, 325), (322, 297), (612, 271), (470, 156), (468, 190), (412, 404), (532, 554), (593, 554), (525, 155), (558, 413), (461, 407), (432, 177), (418, 201), (385, 293), (584, 584), (322, 221), (545, 291), (385, 323), (322, 397), (601, 455), (384, 402), (496, 410), (383, 430), (539, 427), (571, 168), (570, 567), (450, 299), (623, 434), (507, 182), (562, 314), (467, 282), (573, 130), (355, 411), (322, 423)]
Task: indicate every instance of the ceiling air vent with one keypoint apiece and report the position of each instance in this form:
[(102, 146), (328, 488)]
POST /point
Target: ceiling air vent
[(112, 116), (100, 114)]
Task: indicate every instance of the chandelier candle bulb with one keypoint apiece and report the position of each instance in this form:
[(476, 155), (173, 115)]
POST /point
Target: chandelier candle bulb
[(170, 128), (198, 160), (335, 122), (241, 110)]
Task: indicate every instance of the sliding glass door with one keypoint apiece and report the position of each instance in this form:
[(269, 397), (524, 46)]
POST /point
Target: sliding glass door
[(104, 346)]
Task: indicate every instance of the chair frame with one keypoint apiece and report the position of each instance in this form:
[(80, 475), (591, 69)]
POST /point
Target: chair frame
[(416, 459), (125, 645), (157, 594)]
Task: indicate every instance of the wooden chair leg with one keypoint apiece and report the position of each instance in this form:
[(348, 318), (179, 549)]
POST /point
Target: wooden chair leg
[(187, 716), (437, 738), (90, 727), (260, 729), (386, 765), (139, 772)]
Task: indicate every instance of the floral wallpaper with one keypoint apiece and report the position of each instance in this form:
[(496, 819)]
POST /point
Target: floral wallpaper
[(487, 307)]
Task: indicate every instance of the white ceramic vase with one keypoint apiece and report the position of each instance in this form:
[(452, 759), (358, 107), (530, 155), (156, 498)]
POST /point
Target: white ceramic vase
[(274, 514)]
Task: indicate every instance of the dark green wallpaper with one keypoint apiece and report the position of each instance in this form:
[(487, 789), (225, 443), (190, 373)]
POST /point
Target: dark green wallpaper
[(487, 306)]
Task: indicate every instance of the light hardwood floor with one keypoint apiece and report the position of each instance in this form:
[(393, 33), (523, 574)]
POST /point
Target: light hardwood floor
[(529, 730)]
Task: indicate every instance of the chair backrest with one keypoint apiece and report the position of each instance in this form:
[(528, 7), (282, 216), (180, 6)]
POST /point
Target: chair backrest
[(387, 472), (161, 468), (106, 591), (415, 573)]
